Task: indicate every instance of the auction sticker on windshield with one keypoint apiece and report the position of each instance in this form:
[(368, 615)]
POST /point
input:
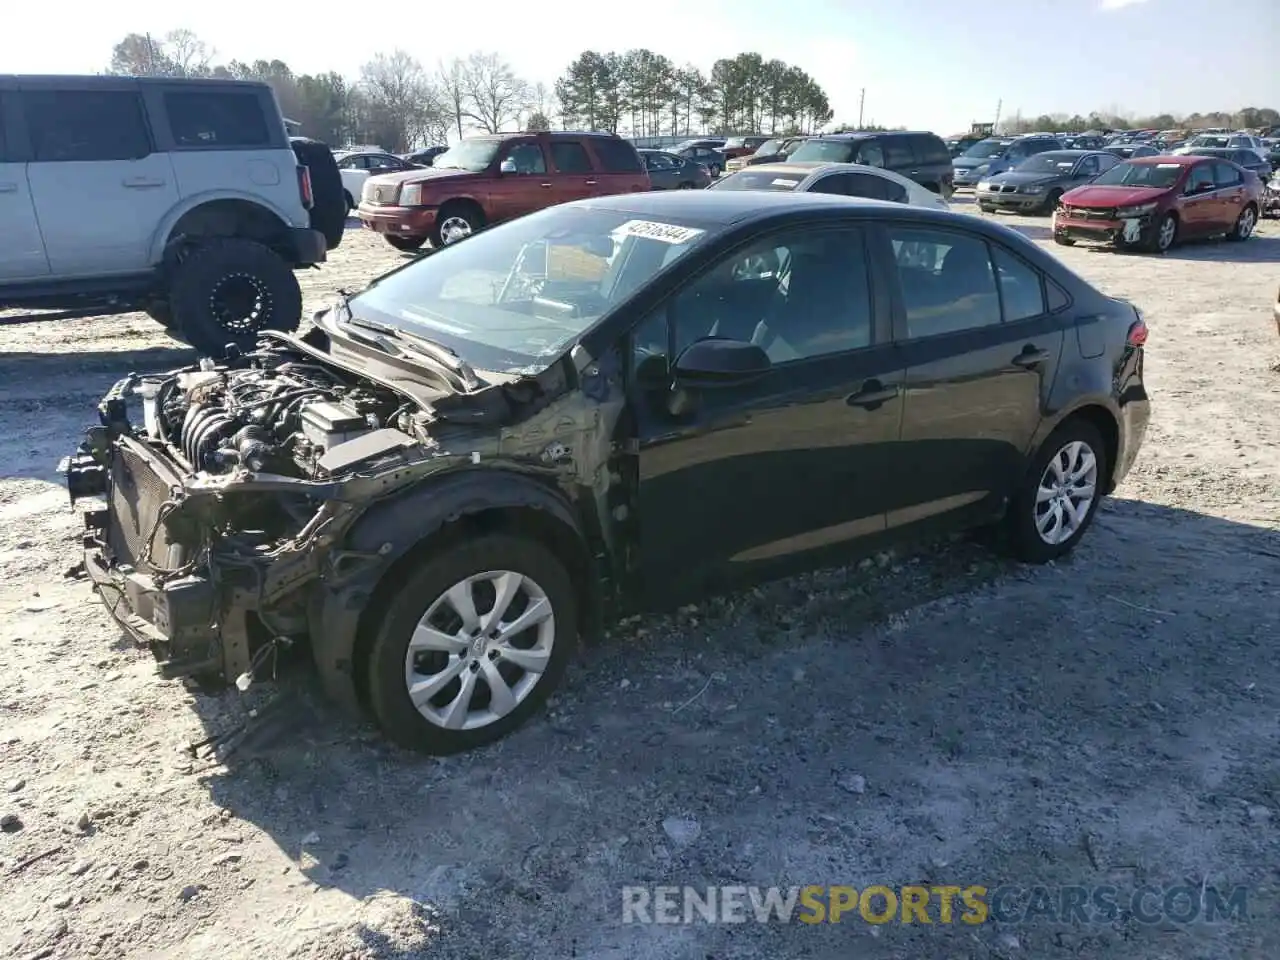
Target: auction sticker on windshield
[(784, 182), (666, 232), (1168, 166)]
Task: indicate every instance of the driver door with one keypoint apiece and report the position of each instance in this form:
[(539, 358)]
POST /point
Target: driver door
[(750, 480), (1200, 205), (528, 189)]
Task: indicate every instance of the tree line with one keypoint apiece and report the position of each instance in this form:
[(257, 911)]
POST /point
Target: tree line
[(1249, 118)]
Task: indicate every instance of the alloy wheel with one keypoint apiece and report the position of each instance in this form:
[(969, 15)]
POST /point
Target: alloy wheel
[(1246, 223), (1066, 492), (454, 229), (240, 303), (480, 650), (1168, 229)]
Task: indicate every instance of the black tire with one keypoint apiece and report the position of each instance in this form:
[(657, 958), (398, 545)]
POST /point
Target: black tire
[(452, 212), (686, 186), (229, 290), (329, 209), (161, 313), (986, 208), (1063, 241), (1023, 537), (408, 244), (351, 204), (388, 694), (1243, 229), (1051, 202), (1161, 240)]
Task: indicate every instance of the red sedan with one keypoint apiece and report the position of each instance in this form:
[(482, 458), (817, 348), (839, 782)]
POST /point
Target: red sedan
[(1154, 202)]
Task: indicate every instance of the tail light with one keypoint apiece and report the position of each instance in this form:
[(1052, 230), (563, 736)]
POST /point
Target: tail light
[(1137, 334), (304, 187)]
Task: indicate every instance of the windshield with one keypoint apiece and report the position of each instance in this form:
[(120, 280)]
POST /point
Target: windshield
[(829, 151), (1210, 142), (756, 180), (473, 155), (768, 147), (735, 142), (513, 298), (1050, 162), (986, 149), (1160, 175)]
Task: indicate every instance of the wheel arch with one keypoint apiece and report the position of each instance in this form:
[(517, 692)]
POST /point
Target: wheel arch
[(1103, 417), (466, 201), (214, 214), (431, 517)]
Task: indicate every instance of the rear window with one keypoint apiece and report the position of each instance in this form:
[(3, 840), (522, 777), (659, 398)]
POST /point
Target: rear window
[(221, 119), (570, 157), (615, 156), (930, 149), (754, 180)]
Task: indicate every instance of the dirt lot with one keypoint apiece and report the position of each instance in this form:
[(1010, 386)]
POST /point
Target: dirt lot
[(944, 717)]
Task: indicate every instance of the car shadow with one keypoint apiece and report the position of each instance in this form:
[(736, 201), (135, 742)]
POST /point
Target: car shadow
[(1031, 230), (1253, 250), (930, 668)]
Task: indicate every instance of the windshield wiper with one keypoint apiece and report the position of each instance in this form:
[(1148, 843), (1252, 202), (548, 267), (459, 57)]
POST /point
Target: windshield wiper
[(393, 340)]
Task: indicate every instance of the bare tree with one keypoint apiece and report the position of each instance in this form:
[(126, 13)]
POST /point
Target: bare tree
[(495, 95), (189, 54), (453, 92), (404, 107)]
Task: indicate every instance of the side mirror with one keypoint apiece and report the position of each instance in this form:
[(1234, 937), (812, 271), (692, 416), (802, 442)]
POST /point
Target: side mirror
[(507, 166), (720, 362)]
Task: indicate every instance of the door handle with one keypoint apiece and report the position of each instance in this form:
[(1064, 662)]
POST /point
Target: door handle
[(1030, 356), (545, 186), (143, 183), (872, 395), (591, 183)]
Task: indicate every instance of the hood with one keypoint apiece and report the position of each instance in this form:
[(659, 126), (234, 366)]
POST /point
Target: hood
[(968, 163), (1016, 179), (1117, 196), (423, 175)]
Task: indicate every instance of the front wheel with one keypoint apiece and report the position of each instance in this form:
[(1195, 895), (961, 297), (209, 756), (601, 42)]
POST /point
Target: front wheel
[(1063, 240), (1164, 234), (1059, 494), (455, 223), (1243, 228), (987, 207), (471, 644), (350, 202), (1051, 203), (407, 244)]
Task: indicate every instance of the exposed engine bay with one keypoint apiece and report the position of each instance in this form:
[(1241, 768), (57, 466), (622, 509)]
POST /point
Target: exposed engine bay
[(278, 419)]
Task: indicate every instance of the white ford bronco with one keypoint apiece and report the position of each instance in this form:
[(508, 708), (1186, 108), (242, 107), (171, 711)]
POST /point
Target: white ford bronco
[(183, 198)]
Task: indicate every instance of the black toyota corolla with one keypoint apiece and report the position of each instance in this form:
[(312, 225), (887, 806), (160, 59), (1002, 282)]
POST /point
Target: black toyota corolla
[(604, 406)]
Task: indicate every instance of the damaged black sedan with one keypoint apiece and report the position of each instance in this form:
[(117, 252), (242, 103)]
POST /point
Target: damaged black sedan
[(604, 406)]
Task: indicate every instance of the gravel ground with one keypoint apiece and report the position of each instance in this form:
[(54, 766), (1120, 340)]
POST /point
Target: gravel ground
[(942, 717)]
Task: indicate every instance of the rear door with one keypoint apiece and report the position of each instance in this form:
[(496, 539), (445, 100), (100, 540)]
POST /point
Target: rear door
[(870, 152), (981, 351), (898, 156), (101, 188), (1231, 195), (22, 254), (573, 175), (618, 167)]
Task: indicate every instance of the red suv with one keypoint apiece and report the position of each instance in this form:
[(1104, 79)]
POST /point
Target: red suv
[(1153, 202), (485, 180)]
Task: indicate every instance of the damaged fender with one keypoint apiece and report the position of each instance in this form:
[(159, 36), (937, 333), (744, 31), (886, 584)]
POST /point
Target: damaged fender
[(391, 529)]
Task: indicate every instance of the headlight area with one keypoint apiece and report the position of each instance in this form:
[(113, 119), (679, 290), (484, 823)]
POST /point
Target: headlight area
[(1141, 210)]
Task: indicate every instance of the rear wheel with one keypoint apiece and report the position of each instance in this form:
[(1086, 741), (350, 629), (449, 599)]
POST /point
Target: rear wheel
[(228, 291), (351, 204), (685, 186), (472, 644), (1059, 494), (1063, 240), (404, 243), (1244, 224)]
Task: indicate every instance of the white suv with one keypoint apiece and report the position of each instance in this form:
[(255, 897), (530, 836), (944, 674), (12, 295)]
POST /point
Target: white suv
[(180, 197)]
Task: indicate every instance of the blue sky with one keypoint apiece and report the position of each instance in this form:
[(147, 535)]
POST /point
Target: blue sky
[(929, 64)]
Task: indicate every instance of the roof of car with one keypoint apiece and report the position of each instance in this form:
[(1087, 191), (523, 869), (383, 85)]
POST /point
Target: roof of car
[(1182, 159), (860, 134), (733, 206), (119, 82)]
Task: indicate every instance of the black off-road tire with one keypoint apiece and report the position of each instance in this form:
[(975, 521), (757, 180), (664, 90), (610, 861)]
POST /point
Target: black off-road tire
[(388, 695), (350, 201), (214, 274), (329, 198), (407, 244), (1020, 534), (161, 313)]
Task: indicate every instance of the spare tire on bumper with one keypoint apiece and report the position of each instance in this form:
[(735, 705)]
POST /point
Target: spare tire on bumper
[(228, 291)]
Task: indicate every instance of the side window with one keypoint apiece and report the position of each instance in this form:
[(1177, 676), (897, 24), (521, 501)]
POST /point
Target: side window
[(870, 154), (1199, 179), (1088, 167), (1225, 175), (528, 158), (864, 185), (1020, 289), (70, 125), (351, 163), (1057, 297), (1107, 160), (836, 183), (615, 156), (893, 191), (570, 157), (799, 294), (897, 153), (947, 281), (929, 149), (656, 161), (207, 119)]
